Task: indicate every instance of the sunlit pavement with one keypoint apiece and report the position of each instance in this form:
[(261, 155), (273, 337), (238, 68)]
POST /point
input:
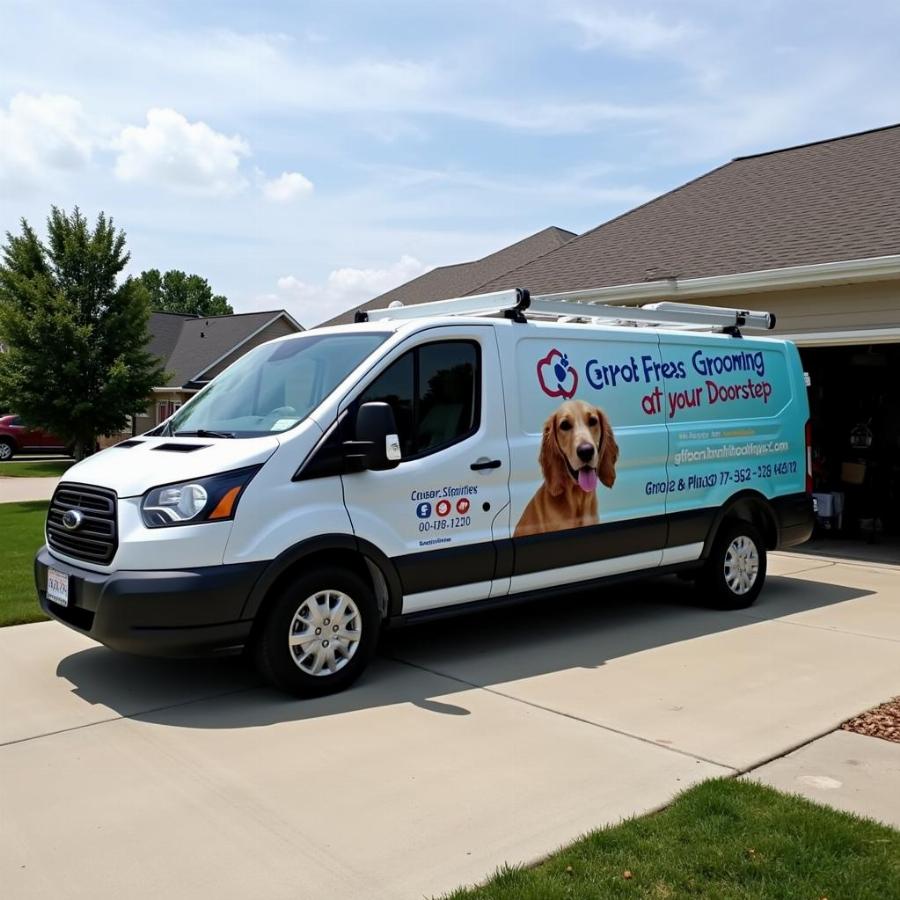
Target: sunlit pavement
[(21, 490), (469, 743), (855, 773)]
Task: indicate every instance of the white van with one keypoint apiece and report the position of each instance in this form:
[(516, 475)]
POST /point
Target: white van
[(431, 459)]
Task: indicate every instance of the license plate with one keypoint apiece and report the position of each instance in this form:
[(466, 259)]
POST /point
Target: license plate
[(58, 587)]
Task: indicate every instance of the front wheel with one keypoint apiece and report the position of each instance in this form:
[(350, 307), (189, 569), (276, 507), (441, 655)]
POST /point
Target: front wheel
[(736, 569), (319, 633)]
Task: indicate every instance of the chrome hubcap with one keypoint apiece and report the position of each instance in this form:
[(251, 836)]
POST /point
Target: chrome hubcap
[(325, 633), (741, 565)]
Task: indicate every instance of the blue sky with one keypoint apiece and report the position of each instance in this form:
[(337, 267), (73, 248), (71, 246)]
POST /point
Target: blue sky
[(313, 155)]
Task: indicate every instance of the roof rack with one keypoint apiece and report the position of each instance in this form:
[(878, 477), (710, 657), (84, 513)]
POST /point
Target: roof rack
[(579, 306)]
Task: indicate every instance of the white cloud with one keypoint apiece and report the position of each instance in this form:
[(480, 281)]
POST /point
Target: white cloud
[(343, 289), (563, 117), (626, 32), (188, 156), (228, 70), (362, 284), (42, 133), (287, 187)]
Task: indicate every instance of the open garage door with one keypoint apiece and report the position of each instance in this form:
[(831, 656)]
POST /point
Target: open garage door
[(854, 397)]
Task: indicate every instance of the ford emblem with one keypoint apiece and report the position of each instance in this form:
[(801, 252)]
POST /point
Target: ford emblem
[(72, 519)]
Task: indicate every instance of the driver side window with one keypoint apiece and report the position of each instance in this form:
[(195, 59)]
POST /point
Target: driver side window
[(434, 391)]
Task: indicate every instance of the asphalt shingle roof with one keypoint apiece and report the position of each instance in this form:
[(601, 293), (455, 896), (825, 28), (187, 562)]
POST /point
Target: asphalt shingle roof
[(188, 345), (832, 200), (464, 278), (165, 329)]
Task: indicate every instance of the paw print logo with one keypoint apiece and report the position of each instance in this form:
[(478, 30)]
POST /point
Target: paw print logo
[(555, 376)]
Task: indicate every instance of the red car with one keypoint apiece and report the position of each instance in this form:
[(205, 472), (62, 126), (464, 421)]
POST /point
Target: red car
[(16, 437)]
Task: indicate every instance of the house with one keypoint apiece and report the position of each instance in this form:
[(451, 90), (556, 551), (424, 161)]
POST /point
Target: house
[(833, 204), (464, 278), (194, 350), (811, 233)]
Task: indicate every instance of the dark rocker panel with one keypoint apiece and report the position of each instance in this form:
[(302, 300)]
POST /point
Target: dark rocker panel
[(471, 563), (434, 569), (591, 543)]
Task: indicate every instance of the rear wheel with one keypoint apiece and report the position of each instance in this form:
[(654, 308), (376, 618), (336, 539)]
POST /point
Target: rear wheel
[(7, 449), (736, 569), (319, 633)]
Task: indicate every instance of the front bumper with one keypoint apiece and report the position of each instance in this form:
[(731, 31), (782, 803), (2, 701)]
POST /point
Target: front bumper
[(188, 612)]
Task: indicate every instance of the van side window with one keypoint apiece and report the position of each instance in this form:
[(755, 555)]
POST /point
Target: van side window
[(434, 392), (396, 386)]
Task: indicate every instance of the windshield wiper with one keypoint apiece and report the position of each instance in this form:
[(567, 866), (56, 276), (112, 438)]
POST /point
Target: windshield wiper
[(203, 432)]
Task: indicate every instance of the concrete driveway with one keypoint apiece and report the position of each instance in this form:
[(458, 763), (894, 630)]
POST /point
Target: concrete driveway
[(22, 490), (469, 743)]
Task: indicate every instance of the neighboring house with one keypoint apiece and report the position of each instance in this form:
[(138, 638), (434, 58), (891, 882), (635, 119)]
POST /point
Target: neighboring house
[(464, 278), (194, 350)]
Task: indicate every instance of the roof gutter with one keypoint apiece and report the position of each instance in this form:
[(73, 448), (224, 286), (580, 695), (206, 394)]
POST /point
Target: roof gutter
[(851, 271), (845, 337)]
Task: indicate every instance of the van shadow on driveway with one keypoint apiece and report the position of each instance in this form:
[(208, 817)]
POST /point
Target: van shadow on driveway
[(417, 664)]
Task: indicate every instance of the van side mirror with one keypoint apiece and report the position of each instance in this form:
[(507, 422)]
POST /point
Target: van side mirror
[(377, 444)]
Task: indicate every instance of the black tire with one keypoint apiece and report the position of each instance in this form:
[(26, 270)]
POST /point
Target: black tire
[(7, 449), (277, 661), (716, 588)]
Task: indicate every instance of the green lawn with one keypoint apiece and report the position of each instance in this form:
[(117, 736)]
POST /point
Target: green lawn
[(21, 533), (35, 468), (723, 839)]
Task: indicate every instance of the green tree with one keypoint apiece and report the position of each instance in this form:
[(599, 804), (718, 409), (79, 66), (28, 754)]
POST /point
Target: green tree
[(76, 360), (178, 292)]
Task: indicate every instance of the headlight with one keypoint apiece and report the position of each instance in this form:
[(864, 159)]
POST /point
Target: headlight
[(212, 499)]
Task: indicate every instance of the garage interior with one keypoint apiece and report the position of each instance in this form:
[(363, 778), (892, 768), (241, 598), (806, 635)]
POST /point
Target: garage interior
[(854, 398)]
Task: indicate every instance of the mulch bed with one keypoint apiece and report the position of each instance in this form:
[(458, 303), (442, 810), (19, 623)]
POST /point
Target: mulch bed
[(883, 721)]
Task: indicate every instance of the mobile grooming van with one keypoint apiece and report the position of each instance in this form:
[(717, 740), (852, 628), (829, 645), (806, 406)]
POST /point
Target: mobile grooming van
[(431, 459)]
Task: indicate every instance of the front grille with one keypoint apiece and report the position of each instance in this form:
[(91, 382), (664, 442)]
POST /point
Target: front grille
[(95, 540)]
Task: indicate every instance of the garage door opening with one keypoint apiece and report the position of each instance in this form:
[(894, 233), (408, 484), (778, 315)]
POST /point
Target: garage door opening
[(854, 398)]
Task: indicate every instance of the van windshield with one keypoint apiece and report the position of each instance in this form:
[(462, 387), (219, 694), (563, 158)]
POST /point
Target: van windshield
[(273, 387)]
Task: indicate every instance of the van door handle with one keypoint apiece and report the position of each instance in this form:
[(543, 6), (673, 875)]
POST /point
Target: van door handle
[(485, 464)]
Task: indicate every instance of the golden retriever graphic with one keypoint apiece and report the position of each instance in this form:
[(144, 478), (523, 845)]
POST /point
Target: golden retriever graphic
[(578, 449)]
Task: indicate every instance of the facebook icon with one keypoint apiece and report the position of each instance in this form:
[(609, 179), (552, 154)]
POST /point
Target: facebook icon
[(423, 510)]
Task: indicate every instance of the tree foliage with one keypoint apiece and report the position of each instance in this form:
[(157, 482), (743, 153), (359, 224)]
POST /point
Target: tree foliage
[(75, 332), (178, 292)]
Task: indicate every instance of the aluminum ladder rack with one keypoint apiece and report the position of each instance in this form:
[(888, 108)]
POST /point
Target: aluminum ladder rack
[(579, 306)]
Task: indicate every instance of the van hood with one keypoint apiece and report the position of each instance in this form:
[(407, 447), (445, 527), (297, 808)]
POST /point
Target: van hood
[(141, 463)]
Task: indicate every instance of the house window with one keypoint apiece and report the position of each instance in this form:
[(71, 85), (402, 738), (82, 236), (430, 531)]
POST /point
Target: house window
[(164, 409)]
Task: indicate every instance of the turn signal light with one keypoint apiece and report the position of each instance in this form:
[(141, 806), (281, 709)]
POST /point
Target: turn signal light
[(226, 504)]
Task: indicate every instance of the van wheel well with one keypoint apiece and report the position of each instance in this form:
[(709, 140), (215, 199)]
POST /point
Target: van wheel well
[(758, 513), (342, 559)]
